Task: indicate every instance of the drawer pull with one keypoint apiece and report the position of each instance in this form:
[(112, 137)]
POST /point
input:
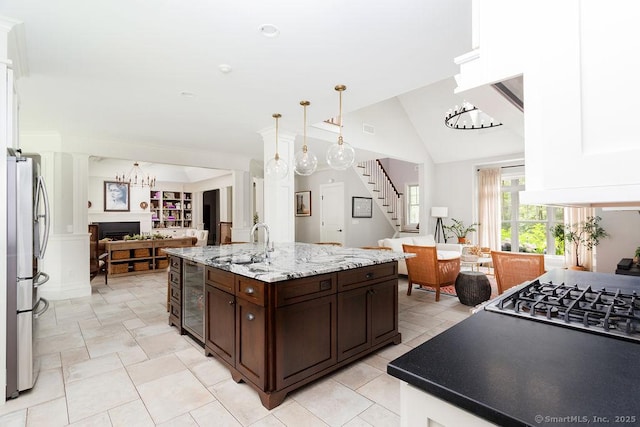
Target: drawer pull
[(230, 302), (249, 291), (369, 275), (250, 316)]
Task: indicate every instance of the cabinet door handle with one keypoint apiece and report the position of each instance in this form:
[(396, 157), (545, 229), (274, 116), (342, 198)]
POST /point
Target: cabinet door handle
[(250, 316), (369, 276), (249, 291), (231, 302)]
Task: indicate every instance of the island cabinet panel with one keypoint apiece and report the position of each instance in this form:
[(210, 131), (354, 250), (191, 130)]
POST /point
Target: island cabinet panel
[(353, 313), (367, 316), (251, 357), (305, 335), (282, 335), (220, 324)]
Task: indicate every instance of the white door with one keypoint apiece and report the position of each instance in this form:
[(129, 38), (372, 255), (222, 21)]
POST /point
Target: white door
[(332, 213)]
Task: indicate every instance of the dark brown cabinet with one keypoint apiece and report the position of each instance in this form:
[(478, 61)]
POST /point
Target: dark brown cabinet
[(220, 323), (279, 336), (367, 317)]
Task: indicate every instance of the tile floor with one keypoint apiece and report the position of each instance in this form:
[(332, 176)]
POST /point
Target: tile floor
[(110, 359)]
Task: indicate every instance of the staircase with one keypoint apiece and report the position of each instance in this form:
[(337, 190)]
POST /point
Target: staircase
[(390, 200)]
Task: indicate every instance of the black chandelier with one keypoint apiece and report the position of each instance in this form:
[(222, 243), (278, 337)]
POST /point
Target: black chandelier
[(469, 117)]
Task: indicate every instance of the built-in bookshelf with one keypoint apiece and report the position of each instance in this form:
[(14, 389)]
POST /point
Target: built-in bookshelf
[(171, 209)]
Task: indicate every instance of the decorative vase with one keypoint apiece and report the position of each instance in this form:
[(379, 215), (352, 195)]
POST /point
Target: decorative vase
[(462, 240)]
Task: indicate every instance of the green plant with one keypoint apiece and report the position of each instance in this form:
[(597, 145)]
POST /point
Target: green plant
[(637, 252), (587, 234), (458, 229)]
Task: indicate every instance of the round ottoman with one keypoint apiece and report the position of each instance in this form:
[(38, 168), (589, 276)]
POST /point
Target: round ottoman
[(472, 287)]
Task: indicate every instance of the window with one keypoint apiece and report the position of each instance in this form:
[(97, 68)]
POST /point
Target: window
[(413, 204), (527, 228)]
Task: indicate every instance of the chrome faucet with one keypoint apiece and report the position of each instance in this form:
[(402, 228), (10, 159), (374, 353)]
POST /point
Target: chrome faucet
[(268, 248)]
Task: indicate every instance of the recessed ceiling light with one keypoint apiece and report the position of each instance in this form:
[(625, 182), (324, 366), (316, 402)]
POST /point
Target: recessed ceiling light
[(224, 68), (188, 94), (269, 30)]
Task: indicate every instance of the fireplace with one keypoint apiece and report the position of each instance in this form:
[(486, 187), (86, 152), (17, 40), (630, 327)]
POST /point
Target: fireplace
[(117, 230)]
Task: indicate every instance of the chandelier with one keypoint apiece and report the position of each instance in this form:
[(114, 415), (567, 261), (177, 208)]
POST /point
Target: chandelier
[(469, 117), (340, 155), (137, 177)]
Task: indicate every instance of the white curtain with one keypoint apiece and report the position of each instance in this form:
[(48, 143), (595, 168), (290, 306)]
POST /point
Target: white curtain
[(576, 216), (489, 208)]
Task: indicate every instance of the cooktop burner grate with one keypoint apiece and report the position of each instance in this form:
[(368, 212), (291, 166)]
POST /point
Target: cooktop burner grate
[(609, 312)]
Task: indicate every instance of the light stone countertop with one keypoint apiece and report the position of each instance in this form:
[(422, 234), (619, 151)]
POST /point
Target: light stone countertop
[(288, 260)]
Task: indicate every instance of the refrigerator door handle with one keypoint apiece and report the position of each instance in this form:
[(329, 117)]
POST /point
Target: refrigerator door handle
[(40, 279), (42, 197), (37, 313)]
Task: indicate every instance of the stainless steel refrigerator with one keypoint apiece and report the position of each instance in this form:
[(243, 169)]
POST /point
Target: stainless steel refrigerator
[(27, 236)]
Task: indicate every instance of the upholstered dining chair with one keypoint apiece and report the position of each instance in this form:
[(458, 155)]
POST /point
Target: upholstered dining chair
[(514, 268), (425, 269)]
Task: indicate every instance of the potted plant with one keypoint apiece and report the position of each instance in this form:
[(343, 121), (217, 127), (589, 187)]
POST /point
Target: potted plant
[(636, 257), (585, 234), (459, 230)]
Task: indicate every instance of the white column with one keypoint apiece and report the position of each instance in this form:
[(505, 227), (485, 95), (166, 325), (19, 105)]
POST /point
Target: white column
[(241, 206), (278, 193)]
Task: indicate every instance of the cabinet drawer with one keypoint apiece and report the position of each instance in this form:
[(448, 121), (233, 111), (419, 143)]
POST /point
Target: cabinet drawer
[(174, 278), (220, 279), (175, 310), (363, 276), (299, 290), (176, 265), (175, 293), (250, 290)]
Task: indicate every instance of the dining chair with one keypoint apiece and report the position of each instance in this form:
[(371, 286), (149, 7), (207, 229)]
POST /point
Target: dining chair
[(513, 268), (425, 269)]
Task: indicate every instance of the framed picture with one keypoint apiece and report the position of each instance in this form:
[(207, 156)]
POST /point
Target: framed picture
[(361, 207), (116, 196), (303, 203)]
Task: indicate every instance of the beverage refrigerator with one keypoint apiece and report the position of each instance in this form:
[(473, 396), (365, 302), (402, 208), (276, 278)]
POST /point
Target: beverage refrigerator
[(28, 226)]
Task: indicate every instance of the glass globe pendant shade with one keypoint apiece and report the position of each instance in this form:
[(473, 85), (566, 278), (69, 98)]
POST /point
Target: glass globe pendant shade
[(277, 168), (306, 162), (341, 155)]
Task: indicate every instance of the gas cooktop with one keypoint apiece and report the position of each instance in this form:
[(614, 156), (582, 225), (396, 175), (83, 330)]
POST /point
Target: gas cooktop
[(605, 311)]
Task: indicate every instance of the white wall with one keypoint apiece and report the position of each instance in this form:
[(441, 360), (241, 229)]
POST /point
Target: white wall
[(623, 228), (358, 232)]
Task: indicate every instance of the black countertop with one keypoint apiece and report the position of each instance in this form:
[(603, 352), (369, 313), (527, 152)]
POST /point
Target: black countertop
[(513, 371)]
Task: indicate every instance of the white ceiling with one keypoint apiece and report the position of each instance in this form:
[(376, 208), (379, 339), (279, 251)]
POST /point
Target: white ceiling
[(115, 70)]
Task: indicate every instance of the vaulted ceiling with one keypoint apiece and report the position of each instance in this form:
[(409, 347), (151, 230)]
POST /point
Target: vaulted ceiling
[(207, 75)]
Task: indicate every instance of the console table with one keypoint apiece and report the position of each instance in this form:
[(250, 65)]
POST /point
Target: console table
[(141, 256)]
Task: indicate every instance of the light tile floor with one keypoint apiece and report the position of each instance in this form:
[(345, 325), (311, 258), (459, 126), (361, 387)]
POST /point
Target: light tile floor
[(111, 359)]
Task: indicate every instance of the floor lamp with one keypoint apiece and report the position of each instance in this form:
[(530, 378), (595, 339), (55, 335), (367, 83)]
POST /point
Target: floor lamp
[(439, 213)]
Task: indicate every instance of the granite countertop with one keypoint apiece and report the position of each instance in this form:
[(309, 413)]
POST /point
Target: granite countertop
[(514, 371), (288, 260)]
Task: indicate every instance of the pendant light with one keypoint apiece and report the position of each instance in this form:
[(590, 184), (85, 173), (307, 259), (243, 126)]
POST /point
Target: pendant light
[(277, 167), (305, 162), (341, 155)]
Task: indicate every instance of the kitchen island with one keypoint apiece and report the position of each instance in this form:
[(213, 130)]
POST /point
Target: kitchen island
[(281, 324), (497, 369)]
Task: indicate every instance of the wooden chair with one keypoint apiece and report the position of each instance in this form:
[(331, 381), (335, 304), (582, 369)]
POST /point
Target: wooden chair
[(514, 268), (425, 269)]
